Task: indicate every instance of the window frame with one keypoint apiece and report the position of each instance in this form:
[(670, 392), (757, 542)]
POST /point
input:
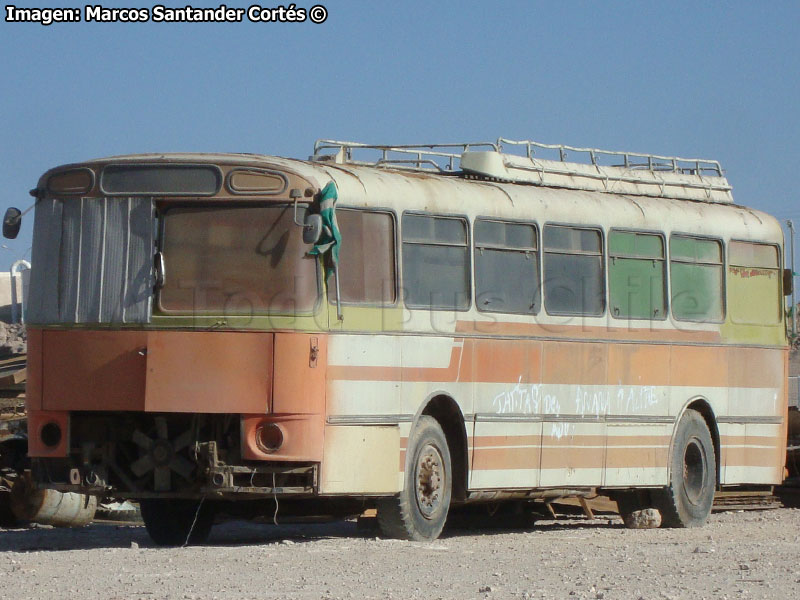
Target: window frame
[(395, 230), (538, 257), (665, 260), (468, 245), (258, 171), (758, 243), (603, 261), (723, 264), (779, 268), (162, 194), (161, 208)]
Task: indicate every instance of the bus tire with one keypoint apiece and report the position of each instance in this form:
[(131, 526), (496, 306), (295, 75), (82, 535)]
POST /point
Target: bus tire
[(7, 516), (687, 500), (419, 512), (171, 521)]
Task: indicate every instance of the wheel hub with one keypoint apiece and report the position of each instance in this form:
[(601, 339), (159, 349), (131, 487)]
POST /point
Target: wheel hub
[(694, 471), (429, 481)]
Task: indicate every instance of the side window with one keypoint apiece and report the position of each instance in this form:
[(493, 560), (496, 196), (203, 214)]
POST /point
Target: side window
[(573, 271), (435, 262), (366, 258), (636, 275), (754, 276), (695, 270), (506, 267)]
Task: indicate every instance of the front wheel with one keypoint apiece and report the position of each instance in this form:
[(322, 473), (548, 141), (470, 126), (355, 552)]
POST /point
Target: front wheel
[(175, 522), (687, 501), (419, 512)]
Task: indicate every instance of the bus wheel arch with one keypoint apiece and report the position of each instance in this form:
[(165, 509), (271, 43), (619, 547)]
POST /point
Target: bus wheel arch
[(419, 511), (448, 414), (687, 499), (701, 405)]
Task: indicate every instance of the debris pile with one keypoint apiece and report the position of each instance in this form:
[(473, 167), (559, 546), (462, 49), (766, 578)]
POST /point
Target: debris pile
[(13, 339)]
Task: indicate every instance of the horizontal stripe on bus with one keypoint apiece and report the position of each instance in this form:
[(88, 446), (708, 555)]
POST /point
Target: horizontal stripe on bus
[(369, 419), (756, 420), (528, 418), (525, 418), (534, 362), (651, 332)]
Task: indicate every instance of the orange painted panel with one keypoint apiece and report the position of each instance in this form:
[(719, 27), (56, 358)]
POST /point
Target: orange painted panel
[(33, 384), (633, 458), (299, 379), (575, 363), (93, 370), (302, 437), (36, 421), (756, 367), (638, 364), (573, 457), (505, 361), (208, 371), (699, 366), (505, 458)]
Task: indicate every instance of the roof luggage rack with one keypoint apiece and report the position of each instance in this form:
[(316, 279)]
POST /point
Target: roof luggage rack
[(535, 163), (440, 158), (650, 162)]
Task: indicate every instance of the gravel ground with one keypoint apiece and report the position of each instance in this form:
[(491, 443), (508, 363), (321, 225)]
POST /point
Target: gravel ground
[(13, 339), (752, 554)]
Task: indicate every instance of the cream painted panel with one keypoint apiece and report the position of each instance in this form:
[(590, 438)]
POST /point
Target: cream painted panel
[(509, 450), (360, 460), (573, 454), (637, 454)]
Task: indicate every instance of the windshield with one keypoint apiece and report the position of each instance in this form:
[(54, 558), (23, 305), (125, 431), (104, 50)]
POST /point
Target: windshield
[(236, 261)]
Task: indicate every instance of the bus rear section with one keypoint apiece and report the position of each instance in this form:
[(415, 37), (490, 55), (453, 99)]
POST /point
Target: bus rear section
[(176, 347)]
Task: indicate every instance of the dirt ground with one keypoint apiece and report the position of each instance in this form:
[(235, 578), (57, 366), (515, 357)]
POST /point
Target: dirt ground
[(13, 339), (754, 554)]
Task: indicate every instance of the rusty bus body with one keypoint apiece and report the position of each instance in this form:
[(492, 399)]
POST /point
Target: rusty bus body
[(161, 368)]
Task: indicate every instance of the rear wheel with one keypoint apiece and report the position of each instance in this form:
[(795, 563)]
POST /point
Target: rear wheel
[(419, 512), (7, 516), (12, 463), (175, 522), (687, 501)]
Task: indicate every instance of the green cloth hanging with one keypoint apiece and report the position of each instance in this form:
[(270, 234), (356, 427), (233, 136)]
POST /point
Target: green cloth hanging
[(331, 237)]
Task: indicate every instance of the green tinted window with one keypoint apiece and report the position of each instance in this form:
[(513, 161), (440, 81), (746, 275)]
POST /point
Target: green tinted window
[(696, 278), (636, 274), (695, 249), (633, 244)]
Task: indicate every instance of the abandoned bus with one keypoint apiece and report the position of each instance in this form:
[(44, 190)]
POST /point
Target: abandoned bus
[(402, 328)]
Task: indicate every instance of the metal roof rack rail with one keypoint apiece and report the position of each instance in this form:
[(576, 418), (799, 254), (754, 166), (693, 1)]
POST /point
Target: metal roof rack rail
[(630, 160), (630, 173), (546, 165), (440, 158)]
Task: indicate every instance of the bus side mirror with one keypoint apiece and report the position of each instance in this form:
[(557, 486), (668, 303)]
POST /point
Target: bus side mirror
[(12, 221), (312, 229), (788, 281)]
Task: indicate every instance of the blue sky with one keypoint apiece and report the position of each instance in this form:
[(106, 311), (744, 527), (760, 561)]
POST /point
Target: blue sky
[(715, 80)]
